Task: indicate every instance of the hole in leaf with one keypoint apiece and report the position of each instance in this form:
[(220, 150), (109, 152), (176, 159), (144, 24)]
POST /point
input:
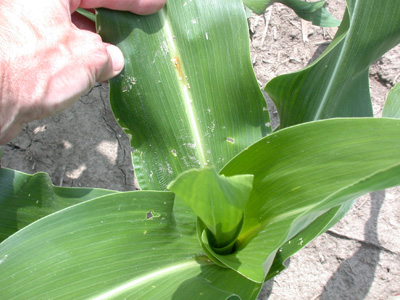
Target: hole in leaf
[(151, 214)]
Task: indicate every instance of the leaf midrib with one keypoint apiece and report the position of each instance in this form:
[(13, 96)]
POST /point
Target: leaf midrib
[(338, 64), (137, 281), (185, 93)]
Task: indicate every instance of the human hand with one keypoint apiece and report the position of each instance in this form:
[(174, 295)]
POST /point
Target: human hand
[(47, 61)]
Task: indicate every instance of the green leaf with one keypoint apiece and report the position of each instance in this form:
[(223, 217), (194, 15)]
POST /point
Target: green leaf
[(392, 105), (315, 12), (124, 246), (337, 84), (87, 14), (302, 172), (26, 198), (188, 97), (300, 240), (257, 6), (217, 200), (248, 12)]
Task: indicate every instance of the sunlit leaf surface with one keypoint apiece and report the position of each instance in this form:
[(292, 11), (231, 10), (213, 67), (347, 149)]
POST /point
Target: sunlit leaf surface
[(300, 173), (392, 105), (188, 97), (26, 198), (337, 84), (123, 246)]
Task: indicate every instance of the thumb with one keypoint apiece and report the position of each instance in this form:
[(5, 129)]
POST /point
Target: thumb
[(113, 65)]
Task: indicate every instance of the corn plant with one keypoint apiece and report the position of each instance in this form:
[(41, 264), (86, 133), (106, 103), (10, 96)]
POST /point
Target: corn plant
[(225, 198)]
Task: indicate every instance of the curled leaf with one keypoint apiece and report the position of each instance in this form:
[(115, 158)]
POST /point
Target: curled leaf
[(217, 200)]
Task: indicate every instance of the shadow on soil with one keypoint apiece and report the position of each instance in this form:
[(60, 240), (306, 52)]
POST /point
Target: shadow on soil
[(354, 278)]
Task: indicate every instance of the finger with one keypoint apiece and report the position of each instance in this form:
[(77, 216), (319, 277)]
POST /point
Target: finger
[(113, 65), (141, 7), (11, 133)]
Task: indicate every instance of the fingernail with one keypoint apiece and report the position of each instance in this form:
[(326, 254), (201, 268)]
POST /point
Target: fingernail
[(117, 58)]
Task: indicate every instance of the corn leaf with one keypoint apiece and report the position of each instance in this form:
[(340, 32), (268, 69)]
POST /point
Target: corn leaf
[(217, 200), (315, 12), (300, 240), (26, 198), (87, 14), (129, 245), (300, 173), (337, 84), (188, 97), (392, 105)]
